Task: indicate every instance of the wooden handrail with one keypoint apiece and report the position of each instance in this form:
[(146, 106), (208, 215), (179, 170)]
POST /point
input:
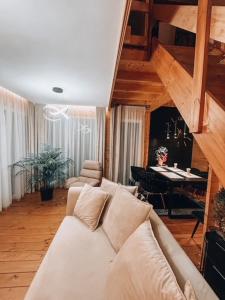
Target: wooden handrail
[(200, 65)]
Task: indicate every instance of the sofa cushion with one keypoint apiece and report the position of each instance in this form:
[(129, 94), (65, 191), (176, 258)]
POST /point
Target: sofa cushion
[(125, 214), (70, 181), (77, 184), (189, 291), (140, 270), (81, 181), (182, 266), (90, 181), (75, 266), (90, 205), (110, 187)]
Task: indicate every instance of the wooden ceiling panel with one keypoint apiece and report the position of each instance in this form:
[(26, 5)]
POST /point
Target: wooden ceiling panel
[(135, 86)]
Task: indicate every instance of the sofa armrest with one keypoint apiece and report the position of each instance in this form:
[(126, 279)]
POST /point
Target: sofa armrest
[(73, 194)]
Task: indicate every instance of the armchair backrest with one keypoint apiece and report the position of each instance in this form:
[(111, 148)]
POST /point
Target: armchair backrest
[(92, 169)]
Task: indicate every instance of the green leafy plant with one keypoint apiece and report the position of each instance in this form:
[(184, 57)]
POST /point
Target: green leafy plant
[(219, 206), (46, 169)]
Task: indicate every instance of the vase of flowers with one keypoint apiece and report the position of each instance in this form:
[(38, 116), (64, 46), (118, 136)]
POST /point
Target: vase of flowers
[(161, 155), (219, 210), (44, 170)]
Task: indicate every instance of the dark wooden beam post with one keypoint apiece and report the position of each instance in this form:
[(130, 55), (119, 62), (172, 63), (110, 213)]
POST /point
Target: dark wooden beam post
[(200, 64), (212, 189)]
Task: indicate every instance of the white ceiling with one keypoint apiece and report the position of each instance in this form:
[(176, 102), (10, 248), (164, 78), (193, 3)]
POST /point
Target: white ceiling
[(67, 43)]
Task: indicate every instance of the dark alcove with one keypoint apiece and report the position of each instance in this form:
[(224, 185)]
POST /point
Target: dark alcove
[(168, 129)]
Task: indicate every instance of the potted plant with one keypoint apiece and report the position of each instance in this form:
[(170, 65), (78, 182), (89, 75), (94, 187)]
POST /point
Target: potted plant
[(44, 170), (219, 205)]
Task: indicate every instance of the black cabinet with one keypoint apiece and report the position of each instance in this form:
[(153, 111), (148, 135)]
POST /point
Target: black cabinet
[(214, 262)]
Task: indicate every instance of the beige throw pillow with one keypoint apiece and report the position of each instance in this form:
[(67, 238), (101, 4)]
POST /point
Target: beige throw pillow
[(90, 205), (140, 271), (189, 291), (125, 214), (110, 187)]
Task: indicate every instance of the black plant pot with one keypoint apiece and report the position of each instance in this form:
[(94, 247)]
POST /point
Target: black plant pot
[(47, 194)]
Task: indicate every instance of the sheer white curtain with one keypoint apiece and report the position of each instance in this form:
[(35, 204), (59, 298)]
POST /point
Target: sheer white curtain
[(16, 140), (77, 130), (100, 123), (126, 141)]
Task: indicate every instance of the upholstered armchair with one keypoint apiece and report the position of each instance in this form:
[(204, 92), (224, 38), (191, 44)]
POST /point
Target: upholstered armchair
[(91, 174)]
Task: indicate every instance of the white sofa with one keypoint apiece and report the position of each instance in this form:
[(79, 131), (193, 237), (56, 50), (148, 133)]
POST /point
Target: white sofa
[(78, 260)]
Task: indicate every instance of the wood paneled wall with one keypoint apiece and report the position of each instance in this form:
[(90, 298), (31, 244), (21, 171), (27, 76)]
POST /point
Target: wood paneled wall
[(199, 160)]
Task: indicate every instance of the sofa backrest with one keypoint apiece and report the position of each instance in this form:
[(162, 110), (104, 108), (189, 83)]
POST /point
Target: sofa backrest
[(180, 263), (92, 169)]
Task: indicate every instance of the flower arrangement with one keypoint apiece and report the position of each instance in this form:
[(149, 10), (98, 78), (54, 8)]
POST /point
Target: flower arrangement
[(219, 206), (161, 155)]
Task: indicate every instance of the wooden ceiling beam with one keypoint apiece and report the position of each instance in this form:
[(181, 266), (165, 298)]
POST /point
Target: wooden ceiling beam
[(200, 65), (134, 102), (138, 76), (154, 102), (185, 17), (135, 95)]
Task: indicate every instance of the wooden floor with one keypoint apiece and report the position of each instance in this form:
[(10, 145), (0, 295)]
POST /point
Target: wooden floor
[(27, 228)]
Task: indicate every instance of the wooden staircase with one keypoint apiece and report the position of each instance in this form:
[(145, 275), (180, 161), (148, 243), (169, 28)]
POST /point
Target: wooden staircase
[(136, 82)]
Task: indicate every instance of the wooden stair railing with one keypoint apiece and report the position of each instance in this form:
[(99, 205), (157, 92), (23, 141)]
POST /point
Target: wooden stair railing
[(185, 17), (200, 65), (178, 81)]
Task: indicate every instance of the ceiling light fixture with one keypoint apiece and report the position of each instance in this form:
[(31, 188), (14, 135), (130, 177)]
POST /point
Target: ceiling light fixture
[(57, 90)]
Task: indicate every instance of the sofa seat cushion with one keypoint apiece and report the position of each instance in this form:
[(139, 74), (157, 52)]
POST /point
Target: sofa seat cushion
[(81, 181), (90, 181), (75, 266)]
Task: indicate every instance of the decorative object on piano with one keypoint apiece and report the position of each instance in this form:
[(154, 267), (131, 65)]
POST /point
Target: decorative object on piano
[(219, 205), (178, 130), (161, 155)]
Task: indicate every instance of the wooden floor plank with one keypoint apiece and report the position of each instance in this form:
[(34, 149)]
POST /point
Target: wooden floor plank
[(18, 266), (15, 293), (21, 255), (16, 279), (4, 246)]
